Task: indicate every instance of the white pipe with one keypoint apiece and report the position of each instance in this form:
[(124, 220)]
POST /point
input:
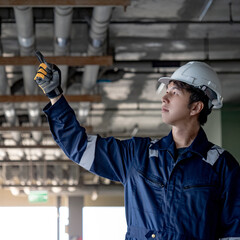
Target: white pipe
[(98, 32), (25, 28), (62, 31)]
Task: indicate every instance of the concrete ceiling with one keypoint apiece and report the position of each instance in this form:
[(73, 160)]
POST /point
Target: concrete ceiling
[(147, 40)]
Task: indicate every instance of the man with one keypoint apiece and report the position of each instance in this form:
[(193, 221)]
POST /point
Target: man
[(179, 187)]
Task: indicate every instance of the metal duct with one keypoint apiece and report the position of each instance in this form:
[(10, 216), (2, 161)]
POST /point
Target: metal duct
[(62, 24), (98, 32), (99, 24), (205, 10), (40, 174), (9, 111), (25, 29), (73, 175), (24, 175)]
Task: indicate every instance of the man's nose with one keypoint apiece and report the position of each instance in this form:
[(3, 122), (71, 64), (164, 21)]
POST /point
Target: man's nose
[(165, 97)]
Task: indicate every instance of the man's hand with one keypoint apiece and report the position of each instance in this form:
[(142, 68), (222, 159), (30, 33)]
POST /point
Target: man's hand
[(48, 77)]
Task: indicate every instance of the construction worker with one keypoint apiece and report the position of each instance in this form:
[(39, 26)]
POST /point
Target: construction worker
[(179, 187)]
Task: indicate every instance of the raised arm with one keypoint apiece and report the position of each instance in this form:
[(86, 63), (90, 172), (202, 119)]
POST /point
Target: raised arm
[(48, 78)]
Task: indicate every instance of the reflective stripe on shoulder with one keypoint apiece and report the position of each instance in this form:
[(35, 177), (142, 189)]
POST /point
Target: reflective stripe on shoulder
[(153, 141), (230, 238), (213, 154), (89, 153), (153, 152)]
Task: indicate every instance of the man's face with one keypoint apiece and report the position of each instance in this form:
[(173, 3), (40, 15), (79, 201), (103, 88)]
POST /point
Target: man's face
[(175, 109)]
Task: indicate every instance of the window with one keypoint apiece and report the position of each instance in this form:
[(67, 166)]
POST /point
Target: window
[(32, 223), (104, 223)]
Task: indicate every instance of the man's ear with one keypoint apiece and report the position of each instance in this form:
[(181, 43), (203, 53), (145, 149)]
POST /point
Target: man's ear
[(196, 108)]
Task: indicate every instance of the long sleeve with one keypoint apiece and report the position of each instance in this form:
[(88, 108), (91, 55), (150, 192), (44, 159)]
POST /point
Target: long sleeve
[(107, 157), (230, 201)]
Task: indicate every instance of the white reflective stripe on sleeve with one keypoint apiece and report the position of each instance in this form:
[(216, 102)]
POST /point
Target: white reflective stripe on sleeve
[(153, 153), (89, 153), (213, 154), (230, 238)]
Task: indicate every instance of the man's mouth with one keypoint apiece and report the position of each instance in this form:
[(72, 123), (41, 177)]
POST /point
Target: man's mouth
[(164, 109)]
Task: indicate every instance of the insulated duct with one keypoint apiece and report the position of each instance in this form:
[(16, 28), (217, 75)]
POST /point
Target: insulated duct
[(26, 39), (99, 24), (62, 24)]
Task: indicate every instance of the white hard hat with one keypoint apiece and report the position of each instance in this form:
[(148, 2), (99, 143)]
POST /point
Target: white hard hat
[(199, 75)]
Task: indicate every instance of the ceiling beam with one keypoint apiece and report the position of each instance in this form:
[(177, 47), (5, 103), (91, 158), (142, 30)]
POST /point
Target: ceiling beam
[(34, 162), (225, 66), (81, 190), (76, 3), (33, 128), (59, 60), (29, 146), (43, 98)]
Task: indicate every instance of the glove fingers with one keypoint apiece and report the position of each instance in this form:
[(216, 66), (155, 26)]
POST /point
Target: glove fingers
[(41, 82), (43, 76), (40, 57), (43, 73), (39, 76), (47, 75), (47, 67)]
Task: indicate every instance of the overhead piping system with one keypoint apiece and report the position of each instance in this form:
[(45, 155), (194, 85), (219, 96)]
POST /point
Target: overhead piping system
[(9, 110), (98, 31), (26, 39)]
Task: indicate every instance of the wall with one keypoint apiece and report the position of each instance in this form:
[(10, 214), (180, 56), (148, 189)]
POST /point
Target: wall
[(213, 127), (104, 201), (231, 129), (7, 199)]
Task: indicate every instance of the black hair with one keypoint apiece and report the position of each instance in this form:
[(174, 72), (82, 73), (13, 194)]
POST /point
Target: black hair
[(197, 95)]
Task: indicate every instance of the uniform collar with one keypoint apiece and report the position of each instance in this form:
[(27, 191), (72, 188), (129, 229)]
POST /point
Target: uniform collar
[(200, 144)]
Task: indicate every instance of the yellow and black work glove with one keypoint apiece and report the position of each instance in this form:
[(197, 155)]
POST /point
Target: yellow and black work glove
[(48, 77)]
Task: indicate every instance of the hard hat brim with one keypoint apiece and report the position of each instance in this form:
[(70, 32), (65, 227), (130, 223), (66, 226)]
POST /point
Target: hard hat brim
[(165, 80)]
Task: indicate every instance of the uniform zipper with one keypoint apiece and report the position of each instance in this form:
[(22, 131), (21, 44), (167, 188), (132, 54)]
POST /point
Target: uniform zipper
[(198, 186), (150, 179)]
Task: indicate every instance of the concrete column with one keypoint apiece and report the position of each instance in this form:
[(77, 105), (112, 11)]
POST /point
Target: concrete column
[(75, 205), (58, 216)]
